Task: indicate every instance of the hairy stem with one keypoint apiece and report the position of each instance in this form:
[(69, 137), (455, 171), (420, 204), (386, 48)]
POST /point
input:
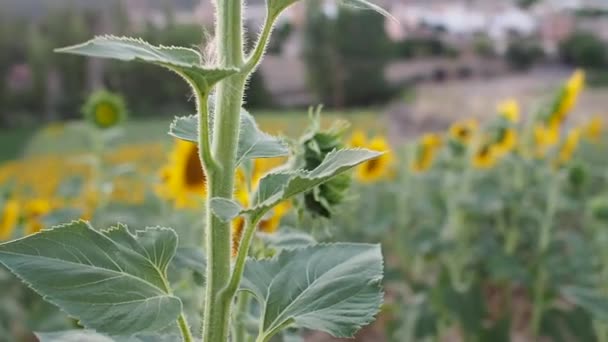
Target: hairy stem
[(184, 329), (239, 265), (256, 56), (240, 334), (229, 97)]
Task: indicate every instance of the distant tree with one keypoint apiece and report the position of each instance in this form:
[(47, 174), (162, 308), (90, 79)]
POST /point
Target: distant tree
[(346, 56), (584, 49), (523, 53)]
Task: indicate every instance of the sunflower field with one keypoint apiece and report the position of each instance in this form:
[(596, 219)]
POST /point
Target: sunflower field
[(490, 231)]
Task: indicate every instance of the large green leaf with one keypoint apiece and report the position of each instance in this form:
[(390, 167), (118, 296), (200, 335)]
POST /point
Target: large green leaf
[(92, 336), (185, 62), (112, 281), (588, 299), (276, 187), (334, 288), (253, 143)]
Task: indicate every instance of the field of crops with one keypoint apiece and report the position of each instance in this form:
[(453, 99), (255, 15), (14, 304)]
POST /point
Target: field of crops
[(491, 231)]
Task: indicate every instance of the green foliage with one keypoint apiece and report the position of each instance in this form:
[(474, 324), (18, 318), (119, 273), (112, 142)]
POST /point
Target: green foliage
[(584, 49), (314, 146), (112, 281), (523, 53), (183, 61), (116, 282), (253, 143), (279, 186), (299, 287), (423, 47), (342, 71)]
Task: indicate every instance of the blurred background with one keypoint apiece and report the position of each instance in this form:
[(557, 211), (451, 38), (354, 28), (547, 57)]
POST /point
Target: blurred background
[(437, 56), (514, 253)]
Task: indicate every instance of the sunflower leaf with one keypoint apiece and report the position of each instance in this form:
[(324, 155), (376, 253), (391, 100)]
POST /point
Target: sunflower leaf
[(185, 128), (588, 299), (276, 7), (225, 209), (253, 143), (276, 187), (112, 281), (92, 336), (185, 62), (334, 288)]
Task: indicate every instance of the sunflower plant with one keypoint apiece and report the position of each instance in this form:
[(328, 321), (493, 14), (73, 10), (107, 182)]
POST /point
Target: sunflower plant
[(114, 281)]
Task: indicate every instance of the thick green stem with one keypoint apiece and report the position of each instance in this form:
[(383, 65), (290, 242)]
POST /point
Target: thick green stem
[(229, 97)]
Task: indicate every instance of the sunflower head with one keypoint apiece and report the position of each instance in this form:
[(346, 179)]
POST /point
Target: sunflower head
[(378, 168), (545, 136), (183, 179), (9, 218), (314, 146), (594, 128), (104, 109), (485, 156), (425, 152), (566, 98), (34, 212), (509, 109), (463, 131), (569, 146), (506, 141)]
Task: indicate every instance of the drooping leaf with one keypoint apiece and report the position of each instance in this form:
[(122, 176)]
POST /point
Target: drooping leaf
[(92, 336), (588, 299), (276, 187), (112, 281), (275, 7), (185, 62), (253, 143), (334, 288), (225, 209)]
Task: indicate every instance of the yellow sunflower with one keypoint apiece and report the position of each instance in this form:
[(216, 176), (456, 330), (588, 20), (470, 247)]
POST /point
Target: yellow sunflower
[(9, 218), (485, 157), (506, 142), (594, 128), (569, 146), (358, 139), (425, 152), (568, 97), (104, 109), (509, 109), (35, 210), (464, 130), (183, 179), (377, 168), (545, 136)]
